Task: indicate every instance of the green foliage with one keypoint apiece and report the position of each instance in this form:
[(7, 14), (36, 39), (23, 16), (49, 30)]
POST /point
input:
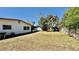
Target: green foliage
[(71, 17), (43, 21), (49, 21), (53, 20)]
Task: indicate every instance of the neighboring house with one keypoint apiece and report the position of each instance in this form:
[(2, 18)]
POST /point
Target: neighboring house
[(39, 28), (14, 26), (36, 28)]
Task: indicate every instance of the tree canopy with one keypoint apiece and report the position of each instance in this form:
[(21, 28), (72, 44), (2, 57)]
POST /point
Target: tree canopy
[(71, 17), (49, 21)]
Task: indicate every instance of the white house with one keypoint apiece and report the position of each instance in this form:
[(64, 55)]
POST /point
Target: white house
[(14, 26), (39, 29)]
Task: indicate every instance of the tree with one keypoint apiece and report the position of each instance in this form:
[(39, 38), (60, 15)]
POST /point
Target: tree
[(43, 23), (71, 18), (49, 22), (52, 22)]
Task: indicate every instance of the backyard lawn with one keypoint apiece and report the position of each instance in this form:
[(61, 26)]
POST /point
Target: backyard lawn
[(40, 41)]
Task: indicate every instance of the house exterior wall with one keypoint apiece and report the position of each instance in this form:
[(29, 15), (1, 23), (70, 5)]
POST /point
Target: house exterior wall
[(17, 27)]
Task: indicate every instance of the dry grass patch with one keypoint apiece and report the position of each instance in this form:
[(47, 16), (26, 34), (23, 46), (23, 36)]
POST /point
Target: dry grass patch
[(40, 41)]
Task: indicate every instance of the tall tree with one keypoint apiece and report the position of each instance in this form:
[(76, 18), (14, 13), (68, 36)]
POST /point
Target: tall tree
[(43, 23), (71, 18), (49, 22)]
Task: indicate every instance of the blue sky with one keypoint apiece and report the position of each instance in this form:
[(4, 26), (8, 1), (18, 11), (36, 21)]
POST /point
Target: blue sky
[(30, 13)]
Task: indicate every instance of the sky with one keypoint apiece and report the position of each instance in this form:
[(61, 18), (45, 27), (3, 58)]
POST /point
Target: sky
[(31, 14)]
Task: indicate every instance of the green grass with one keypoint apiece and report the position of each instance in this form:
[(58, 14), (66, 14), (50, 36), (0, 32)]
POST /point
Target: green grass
[(40, 41)]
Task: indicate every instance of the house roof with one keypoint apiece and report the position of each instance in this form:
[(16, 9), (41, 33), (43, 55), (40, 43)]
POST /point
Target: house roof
[(15, 20)]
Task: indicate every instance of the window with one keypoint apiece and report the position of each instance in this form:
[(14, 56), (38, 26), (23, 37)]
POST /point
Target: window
[(26, 28), (6, 27)]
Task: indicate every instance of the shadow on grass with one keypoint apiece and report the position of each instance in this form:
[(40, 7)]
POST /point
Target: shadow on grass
[(7, 37)]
